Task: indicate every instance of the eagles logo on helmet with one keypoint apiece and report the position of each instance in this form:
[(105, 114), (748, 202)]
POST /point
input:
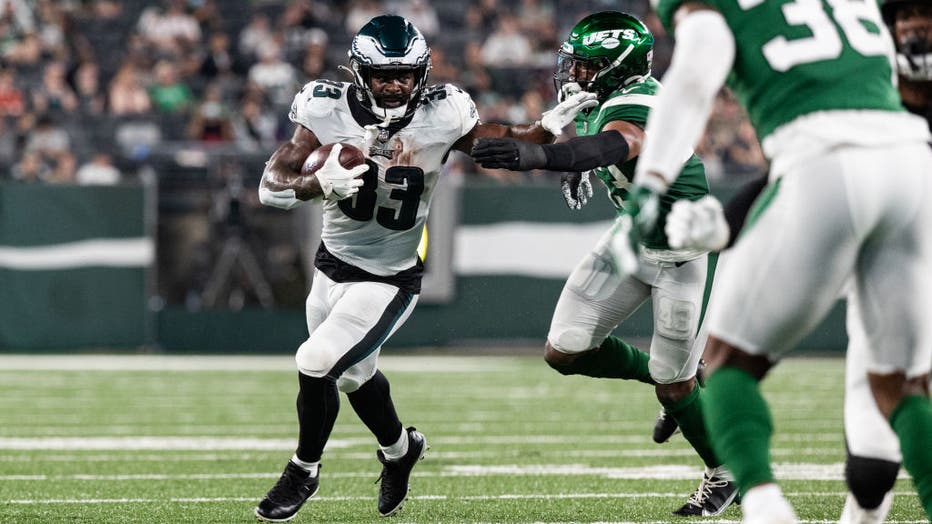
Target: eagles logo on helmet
[(388, 43), (604, 51)]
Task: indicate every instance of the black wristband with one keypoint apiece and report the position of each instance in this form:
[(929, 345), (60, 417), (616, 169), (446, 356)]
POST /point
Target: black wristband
[(586, 152), (532, 156)]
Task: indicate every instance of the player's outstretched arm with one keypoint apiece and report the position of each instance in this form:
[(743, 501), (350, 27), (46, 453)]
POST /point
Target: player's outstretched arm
[(619, 141), (544, 131)]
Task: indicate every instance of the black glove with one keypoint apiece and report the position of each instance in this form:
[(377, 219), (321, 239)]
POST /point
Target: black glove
[(508, 153)]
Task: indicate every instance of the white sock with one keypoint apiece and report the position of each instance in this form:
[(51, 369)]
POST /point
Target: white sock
[(310, 467), (765, 504), (398, 449)]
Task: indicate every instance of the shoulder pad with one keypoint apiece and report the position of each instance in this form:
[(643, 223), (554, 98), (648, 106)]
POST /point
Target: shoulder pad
[(453, 103), (317, 99)]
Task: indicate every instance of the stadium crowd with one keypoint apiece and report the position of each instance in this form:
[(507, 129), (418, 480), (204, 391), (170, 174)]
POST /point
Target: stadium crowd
[(90, 90)]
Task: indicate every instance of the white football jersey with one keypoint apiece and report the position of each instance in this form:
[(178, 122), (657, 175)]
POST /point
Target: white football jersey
[(379, 228)]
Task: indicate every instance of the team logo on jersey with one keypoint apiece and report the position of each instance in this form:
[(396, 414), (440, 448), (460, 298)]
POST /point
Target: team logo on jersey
[(381, 147)]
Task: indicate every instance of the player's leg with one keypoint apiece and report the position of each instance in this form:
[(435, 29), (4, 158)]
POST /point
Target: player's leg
[(779, 281), (873, 452), (894, 306), (369, 391), (593, 302), (317, 404), (674, 356)]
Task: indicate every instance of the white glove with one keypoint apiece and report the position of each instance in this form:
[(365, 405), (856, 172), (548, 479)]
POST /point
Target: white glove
[(577, 189), (336, 181), (697, 225), (564, 113)]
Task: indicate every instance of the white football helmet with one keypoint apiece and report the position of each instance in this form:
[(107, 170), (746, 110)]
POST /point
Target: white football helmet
[(389, 42)]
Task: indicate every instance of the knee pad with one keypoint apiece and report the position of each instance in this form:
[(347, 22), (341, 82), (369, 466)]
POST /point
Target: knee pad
[(869, 479), (357, 375), (315, 359), (570, 339)]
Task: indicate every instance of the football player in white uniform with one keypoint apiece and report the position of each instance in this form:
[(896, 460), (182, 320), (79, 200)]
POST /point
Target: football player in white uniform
[(368, 274)]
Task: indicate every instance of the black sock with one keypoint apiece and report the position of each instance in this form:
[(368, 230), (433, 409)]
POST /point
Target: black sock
[(318, 405), (373, 403)]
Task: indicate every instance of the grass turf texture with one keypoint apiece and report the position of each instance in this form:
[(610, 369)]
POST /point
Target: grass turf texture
[(511, 441)]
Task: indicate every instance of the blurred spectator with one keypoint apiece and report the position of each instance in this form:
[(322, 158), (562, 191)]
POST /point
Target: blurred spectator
[(254, 128), (25, 51), (442, 71), (254, 34), (168, 94), (315, 61), (127, 95), (31, 168), (211, 121), (54, 95), (18, 15), (63, 170), (506, 46), (12, 101), (48, 138), (420, 13), (51, 28), (298, 23), (359, 13), (273, 75), (173, 30), (99, 171), (474, 77), (91, 99), (217, 61)]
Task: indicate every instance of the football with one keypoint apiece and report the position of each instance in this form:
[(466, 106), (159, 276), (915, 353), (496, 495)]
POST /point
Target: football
[(350, 156)]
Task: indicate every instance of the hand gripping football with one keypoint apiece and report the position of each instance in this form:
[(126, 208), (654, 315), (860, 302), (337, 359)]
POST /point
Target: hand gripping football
[(350, 157)]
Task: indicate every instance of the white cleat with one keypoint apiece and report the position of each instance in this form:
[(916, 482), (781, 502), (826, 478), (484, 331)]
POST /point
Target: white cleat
[(765, 504)]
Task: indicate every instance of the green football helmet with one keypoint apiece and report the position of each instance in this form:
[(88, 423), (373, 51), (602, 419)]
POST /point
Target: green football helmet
[(604, 51), (389, 42)]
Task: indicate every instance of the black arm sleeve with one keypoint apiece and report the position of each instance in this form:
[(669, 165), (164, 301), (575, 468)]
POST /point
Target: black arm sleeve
[(587, 152), (736, 209)]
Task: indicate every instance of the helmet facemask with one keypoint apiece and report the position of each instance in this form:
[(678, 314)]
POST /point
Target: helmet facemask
[(913, 36), (577, 70), (910, 24), (389, 44)]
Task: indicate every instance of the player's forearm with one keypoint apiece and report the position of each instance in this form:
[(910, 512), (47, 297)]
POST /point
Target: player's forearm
[(530, 133), (283, 172), (703, 56)]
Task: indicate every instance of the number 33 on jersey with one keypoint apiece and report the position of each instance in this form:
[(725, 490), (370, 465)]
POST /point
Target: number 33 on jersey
[(379, 229)]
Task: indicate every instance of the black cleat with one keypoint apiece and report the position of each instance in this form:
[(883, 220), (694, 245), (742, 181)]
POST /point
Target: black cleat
[(287, 496), (664, 427), (716, 492), (395, 474)]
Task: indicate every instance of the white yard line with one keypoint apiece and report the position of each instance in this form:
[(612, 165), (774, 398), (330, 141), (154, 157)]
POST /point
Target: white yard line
[(393, 363), (819, 472)]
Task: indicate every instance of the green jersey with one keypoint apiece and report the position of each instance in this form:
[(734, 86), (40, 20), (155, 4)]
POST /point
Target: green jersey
[(795, 57), (632, 104)]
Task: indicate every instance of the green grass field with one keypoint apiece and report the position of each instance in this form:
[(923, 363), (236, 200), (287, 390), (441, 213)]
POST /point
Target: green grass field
[(174, 439)]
